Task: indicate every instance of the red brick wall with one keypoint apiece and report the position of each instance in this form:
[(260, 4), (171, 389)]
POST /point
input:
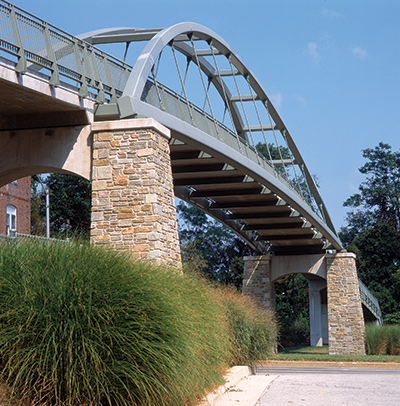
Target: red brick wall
[(17, 194)]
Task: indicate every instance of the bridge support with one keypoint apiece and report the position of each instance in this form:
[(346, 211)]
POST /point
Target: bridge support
[(344, 324), (132, 191), (345, 315), (257, 281), (318, 313)]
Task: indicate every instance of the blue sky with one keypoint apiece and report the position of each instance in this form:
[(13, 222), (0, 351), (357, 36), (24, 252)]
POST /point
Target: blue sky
[(330, 67)]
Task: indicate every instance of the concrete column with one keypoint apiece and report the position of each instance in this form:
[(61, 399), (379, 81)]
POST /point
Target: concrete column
[(345, 316), (257, 281), (132, 190), (316, 320)]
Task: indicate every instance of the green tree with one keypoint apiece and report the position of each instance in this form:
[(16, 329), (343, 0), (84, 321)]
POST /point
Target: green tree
[(372, 230), (294, 176), (70, 205), (38, 221), (378, 261), (210, 247), (292, 309), (378, 199)]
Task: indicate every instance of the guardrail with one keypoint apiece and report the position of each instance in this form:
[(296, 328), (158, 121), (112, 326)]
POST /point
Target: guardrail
[(370, 302), (37, 45)]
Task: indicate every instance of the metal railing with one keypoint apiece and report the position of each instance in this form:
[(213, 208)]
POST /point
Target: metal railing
[(39, 46), (168, 100), (370, 302)]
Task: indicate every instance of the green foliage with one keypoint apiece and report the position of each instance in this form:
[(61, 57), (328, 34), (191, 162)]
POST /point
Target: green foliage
[(382, 340), (253, 333), (378, 199), (375, 339), (292, 309), (209, 247), (295, 332), (372, 232), (306, 353), (70, 205), (82, 325), (378, 260), (38, 221)]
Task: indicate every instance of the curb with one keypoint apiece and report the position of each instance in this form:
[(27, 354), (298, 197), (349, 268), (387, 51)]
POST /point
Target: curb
[(331, 364), (233, 376), (240, 389)]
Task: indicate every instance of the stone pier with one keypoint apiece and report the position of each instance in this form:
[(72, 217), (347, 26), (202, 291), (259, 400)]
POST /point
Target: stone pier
[(345, 315), (257, 281), (343, 325), (132, 190)]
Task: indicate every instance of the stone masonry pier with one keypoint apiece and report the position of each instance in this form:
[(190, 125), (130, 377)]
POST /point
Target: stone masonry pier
[(132, 191)]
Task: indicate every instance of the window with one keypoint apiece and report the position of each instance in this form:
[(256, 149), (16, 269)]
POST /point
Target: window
[(11, 220)]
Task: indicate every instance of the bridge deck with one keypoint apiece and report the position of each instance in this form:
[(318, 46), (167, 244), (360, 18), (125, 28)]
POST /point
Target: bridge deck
[(246, 205)]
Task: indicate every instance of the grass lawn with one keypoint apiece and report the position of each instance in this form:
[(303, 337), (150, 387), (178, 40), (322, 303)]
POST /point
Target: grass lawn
[(307, 353)]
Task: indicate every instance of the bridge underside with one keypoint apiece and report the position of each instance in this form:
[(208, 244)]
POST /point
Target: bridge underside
[(29, 101), (246, 206)]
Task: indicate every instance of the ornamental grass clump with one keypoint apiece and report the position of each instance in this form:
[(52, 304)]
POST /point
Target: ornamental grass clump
[(382, 340), (81, 325), (253, 332)]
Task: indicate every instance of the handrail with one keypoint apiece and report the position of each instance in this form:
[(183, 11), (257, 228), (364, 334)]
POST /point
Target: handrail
[(40, 46), (370, 301)]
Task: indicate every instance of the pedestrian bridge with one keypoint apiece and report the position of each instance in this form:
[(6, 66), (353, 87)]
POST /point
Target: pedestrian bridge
[(231, 154)]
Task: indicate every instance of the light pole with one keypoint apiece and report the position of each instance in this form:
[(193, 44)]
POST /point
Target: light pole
[(47, 192)]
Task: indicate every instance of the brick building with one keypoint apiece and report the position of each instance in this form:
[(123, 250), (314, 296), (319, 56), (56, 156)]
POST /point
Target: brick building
[(15, 207)]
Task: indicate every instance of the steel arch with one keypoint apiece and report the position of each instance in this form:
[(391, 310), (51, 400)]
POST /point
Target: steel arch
[(130, 104)]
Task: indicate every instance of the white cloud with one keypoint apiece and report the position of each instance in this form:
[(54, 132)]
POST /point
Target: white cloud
[(331, 14), (300, 99), (359, 52), (276, 99), (312, 50)]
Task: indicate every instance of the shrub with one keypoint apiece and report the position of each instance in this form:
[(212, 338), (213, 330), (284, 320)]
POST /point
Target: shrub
[(393, 333), (81, 325), (295, 333), (252, 331), (382, 340), (375, 340)]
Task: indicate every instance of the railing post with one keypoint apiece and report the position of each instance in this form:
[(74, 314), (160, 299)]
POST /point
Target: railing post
[(100, 95), (83, 91), (51, 56), (21, 65), (107, 71)]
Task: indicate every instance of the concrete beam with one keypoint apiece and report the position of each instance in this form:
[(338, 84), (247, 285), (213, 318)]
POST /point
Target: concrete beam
[(291, 264), (43, 150)]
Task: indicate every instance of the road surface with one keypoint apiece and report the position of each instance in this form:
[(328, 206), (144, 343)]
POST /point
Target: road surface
[(331, 387)]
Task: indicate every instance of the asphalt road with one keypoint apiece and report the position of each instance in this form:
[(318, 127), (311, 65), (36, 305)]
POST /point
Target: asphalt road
[(332, 387)]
